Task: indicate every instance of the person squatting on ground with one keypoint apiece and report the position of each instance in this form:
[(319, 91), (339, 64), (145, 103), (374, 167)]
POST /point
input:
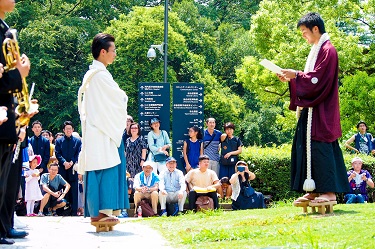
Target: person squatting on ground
[(314, 95), (172, 188), (243, 195), (53, 194)]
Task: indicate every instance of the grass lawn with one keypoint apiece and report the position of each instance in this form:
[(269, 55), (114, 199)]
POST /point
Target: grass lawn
[(281, 226)]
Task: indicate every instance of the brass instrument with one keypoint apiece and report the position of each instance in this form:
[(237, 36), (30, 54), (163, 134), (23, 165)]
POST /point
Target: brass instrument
[(25, 107)]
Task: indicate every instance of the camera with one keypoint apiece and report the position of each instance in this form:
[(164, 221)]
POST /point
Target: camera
[(151, 54)]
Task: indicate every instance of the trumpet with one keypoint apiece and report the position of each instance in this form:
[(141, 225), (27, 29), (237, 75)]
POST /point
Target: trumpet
[(25, 107)]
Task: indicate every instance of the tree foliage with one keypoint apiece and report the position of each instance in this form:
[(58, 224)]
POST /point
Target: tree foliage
[(218, 43)]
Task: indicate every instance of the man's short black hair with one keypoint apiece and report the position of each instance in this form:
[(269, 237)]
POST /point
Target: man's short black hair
[(361, 122), (203, 157), (68, 123), (310, 20), (36, 122), (101, 41)]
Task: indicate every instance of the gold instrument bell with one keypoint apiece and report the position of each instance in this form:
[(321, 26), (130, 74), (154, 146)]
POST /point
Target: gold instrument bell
[(10, 51)]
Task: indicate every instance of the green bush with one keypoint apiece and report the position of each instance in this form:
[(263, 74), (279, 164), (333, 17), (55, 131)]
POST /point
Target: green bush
[(271, 166)]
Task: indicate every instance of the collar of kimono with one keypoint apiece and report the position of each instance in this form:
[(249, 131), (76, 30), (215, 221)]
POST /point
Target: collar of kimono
[(313, 55)]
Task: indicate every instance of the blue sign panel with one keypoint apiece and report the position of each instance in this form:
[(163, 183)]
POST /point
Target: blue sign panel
[(154, 101), (188, 109)]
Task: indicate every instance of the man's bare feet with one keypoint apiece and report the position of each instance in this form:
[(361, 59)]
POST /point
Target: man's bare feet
[(325, 197), (306, 197), (103, 217)]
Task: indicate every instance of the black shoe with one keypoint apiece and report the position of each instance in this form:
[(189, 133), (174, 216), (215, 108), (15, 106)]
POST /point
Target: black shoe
[(5, 241), (16, 234)]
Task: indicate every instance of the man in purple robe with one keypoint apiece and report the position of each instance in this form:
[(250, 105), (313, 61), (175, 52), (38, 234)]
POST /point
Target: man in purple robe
[(316, 154)]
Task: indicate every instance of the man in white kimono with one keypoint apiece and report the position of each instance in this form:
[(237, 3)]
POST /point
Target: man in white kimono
[(102, 106)]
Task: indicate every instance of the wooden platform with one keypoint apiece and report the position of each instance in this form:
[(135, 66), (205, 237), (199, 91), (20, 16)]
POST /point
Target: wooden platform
[(323, 208)]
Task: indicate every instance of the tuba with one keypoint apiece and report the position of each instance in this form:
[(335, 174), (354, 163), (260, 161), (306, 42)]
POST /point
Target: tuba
[(10, 51)]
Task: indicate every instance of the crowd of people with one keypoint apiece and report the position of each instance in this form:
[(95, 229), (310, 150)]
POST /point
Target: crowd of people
[(70, 175)]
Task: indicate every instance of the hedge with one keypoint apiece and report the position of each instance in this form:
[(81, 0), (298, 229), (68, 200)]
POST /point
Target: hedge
[(271, 166)]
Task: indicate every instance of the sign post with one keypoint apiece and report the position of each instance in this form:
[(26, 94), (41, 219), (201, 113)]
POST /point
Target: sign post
[(154, 100), (188, 111)]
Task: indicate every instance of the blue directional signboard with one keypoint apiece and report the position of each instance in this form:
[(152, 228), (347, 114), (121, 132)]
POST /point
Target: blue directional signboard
[(154, 100), (188, 111)]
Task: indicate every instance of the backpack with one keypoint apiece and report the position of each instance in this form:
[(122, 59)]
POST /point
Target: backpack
[(204, 203), (146, 208)]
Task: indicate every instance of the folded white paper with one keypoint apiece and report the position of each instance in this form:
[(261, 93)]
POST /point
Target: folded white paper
[(270, 66)]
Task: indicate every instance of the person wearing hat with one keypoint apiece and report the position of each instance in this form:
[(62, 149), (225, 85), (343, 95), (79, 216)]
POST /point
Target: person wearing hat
[(159, 143), (358, 180), (32, 189), (202, 181), (363, 140), (146, 185), (172, 187)]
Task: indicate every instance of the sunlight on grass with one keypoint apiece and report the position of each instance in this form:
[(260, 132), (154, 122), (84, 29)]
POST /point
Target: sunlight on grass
[(281, 226)]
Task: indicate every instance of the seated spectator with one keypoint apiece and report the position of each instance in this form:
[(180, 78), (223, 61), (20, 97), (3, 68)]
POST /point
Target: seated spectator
[(172, 187), (202, 181), (358, 180), (52, 192), (146, 185), (363, 140), (225, 190), (242, 198)]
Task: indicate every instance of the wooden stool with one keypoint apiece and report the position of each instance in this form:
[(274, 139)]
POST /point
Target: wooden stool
[(324, 207), (102, 226)]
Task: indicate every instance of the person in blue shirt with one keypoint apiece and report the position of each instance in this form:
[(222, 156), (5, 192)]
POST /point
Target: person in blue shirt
[(67, 149), (363, 140), (146, 185), (172, 188)]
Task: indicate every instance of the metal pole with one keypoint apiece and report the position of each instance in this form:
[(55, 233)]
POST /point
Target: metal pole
[(165, 41)]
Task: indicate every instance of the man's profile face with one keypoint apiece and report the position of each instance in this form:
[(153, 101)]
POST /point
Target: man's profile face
[(311, 36), (110, 55)]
